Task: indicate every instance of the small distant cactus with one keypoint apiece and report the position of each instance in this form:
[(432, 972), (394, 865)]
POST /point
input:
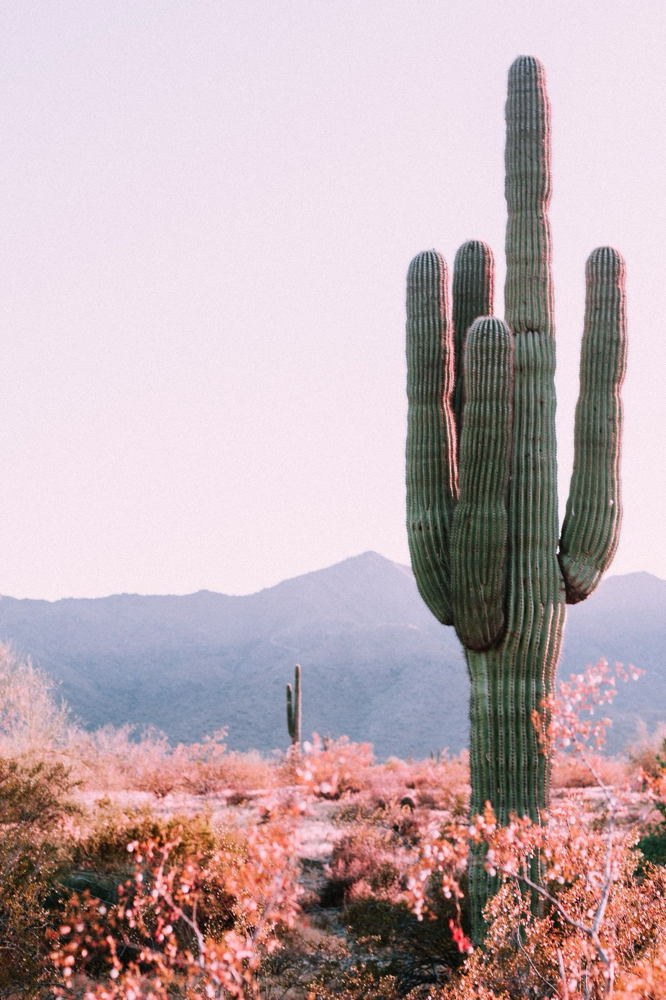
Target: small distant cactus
[(294, 709)]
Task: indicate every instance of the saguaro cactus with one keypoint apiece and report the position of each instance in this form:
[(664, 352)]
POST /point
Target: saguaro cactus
[(294, 709), (481, 469)]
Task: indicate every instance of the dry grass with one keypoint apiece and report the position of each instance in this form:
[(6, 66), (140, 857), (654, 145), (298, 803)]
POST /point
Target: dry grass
[(570, 771)]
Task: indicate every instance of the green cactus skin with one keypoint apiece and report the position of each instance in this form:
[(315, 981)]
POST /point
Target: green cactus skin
[(294, 709), (528, 290), (431, 439), (473, 295), (480, 521), (483, 525), (435, 389), (591, 526)]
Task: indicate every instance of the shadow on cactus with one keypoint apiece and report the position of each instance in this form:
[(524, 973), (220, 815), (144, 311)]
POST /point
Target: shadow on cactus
[(482, 515)]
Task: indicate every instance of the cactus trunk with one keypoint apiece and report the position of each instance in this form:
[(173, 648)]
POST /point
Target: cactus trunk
[(294, 709), (510, 680), (482, 514), (509, 768)]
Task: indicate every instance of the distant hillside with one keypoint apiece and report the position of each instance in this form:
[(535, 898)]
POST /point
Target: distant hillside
[(376, 664)]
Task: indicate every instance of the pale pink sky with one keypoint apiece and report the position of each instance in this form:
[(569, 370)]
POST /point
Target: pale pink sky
[(208, 213)]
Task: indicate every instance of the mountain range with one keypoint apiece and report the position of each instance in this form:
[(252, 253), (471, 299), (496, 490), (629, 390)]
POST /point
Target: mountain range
[(376, 665)]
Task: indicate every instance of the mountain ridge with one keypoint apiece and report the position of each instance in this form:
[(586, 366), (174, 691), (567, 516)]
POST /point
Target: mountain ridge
[(376, 665)]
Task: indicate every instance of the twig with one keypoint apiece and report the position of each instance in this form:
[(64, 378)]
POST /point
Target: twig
[(563, 975), (576, 924), (531, 963)]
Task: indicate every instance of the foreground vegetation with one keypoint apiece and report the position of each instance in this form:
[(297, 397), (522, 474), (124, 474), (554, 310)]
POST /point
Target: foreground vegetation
[(135, 869)]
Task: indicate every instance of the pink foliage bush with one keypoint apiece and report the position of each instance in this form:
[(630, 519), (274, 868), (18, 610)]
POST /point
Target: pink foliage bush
[(198, 925)]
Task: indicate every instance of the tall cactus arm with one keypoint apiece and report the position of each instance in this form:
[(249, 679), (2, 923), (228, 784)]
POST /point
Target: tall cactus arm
[(473, 294), (294, 708), (536, 604), (480, 522), (591, 528), (528, 291), (432, 479), (290, 712), (298, 704)]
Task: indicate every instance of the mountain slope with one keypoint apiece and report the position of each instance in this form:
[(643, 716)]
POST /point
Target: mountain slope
[(376, 664)]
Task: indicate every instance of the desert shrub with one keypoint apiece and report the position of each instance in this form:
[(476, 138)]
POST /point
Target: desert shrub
[(369, 860), (201, 765), (571, 771), (442, 784), (308, 955), (397, 945), (596, 917), (122, 759), (102, 760), (354, 985), (356, 809), (34, 795), (248, 771), (102, 850), (33, 722), (188, 922), (647, 749), (34, 801), (645, 979), (653, 843), (36, 725), (527, 955), (30, 869), (367, 878), (402, 817), (571, 912), (332, 768)]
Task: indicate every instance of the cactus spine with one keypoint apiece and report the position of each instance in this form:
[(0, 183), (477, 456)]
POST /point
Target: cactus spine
[(482, 513), (294, 709)]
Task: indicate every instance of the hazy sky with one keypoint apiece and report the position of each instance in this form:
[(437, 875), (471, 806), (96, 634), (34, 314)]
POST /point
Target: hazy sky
[(208, 211)]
